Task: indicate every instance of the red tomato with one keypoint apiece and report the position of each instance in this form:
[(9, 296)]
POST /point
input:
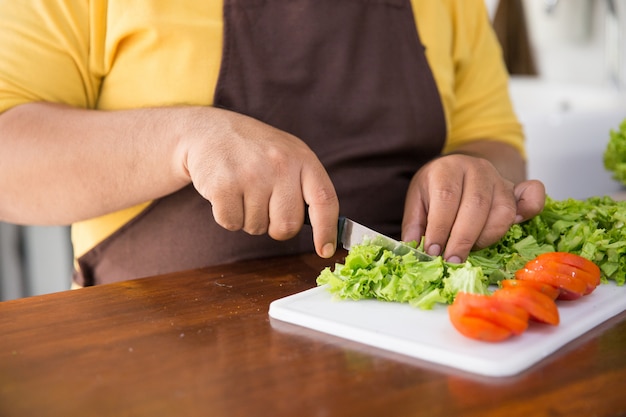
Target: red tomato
[(485, 318), (477, 328), (539, 306), (572, 260), (576, 265), (542, 287), (487, 307), (570, 287), (591, 280), (574, 275), (531, 296)]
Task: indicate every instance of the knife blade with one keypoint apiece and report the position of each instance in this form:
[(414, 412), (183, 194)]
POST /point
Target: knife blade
[(351, 233)]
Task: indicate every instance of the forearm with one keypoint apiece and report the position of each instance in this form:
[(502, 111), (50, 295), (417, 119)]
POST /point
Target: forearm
[(505, 158), (59, 164)]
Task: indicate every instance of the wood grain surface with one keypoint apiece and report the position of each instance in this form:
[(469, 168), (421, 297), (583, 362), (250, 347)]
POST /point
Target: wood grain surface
[(201, 343)]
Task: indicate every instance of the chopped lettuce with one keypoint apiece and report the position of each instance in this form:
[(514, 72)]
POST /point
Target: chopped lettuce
[(615, 153), (501, 260), (594, 228), (371, 271), (464, 278)]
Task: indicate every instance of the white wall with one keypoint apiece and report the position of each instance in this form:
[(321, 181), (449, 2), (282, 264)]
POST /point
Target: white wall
[(12, 284), (570, 108), (48, 259), (570, 40), (34, 260)]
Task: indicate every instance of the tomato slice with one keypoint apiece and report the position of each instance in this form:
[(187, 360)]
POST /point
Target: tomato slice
[(570, 287), (488, 312), (532, 295), (479, 329), (539, 306), (549, 290), (489, 308), (563, 264), (572, 260), (592, 281)]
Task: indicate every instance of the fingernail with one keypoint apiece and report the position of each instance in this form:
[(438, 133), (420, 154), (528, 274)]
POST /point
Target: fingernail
[(328, 250), (454, 260), (518, 219), (434, 250)]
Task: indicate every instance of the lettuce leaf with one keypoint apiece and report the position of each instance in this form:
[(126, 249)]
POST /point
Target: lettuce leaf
[(594, 228), (615, 153), (370, 271), (464, 278)]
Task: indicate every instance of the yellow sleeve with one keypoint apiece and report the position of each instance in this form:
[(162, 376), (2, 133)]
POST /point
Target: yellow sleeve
[(471, 76), (46, 53), (109, 55)]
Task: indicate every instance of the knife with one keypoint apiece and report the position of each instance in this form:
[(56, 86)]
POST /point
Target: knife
[(351, 233)]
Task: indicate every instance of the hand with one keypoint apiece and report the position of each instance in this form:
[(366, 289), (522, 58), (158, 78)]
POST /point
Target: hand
[(460, 202), (259, 178)]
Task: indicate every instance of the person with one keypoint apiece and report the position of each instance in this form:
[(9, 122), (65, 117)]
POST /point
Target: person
[(178, 135)]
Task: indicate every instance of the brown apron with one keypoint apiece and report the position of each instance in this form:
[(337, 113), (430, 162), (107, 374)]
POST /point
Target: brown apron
[(350, 78)]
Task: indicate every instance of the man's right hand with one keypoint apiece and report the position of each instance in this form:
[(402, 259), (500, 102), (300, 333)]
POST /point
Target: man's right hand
[(258, 178)]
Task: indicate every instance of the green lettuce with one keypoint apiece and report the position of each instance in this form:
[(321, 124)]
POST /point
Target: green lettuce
[(501, 260), (594, 228), (464, 278), (371, 271), (615, 153)]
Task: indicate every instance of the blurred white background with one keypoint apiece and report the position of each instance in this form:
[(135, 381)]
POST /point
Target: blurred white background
[(578, 96)]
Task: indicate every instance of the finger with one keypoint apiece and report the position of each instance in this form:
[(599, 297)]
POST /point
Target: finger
[(286, 213), (505, 210), (531, 197), (414, 222), (415, 214), (444, 199), (256, 213), (319, 193), (228, 210), (473, 211), (500, 217)]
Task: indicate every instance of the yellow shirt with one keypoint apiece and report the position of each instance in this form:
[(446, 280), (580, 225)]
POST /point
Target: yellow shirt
[(122, 54)]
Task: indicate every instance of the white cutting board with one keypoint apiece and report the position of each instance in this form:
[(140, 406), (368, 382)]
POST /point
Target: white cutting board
[(429, 335)]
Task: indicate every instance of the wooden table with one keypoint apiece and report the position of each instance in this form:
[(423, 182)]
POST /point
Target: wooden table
[(200, 343)]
